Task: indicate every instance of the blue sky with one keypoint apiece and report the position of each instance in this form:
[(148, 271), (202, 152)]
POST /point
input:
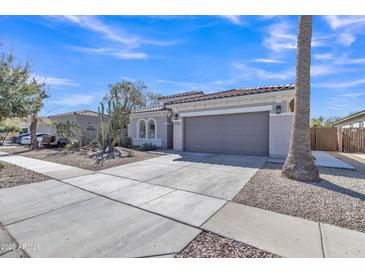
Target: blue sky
[(80, 55)]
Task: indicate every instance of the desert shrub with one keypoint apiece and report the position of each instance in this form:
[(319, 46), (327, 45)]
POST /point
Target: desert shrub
[(69, 147), (147, 147), (72, 131), (126, 142)]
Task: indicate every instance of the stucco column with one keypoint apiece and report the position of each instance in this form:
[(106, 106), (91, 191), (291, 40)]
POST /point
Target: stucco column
[(279, 133), (178, 140)]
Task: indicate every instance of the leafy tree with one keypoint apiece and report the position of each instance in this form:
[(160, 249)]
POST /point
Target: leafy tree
[(14, 88), (114, 112), (299, 164), (38, 94), (318, 122), (324, 122), (6, 129), (332, 119)]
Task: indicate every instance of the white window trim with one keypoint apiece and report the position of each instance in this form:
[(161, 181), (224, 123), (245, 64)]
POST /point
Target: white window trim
[(226, 111), (137, 125), (151, 119), (146, 129)]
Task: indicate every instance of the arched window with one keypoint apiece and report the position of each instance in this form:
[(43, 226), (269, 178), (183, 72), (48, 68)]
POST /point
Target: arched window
[(151, 129), (141, 129)]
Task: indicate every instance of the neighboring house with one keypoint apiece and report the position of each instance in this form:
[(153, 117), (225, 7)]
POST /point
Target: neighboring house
[(356, 120), (252, 121), (87, 119)]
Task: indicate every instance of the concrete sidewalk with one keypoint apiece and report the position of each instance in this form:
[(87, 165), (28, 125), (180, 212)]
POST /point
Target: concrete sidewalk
[(50, 169), (325, 159), (321, 159), (285, 235), (142, 209)]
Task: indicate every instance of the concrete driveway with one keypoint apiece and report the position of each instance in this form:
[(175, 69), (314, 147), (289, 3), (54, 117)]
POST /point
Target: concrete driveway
[(150, 208)]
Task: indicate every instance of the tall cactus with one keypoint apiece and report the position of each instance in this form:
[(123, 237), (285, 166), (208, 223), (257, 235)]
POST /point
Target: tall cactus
[(110, 125)]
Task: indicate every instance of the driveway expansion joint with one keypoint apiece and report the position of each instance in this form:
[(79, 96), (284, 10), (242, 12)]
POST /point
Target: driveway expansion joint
[(321, 237)]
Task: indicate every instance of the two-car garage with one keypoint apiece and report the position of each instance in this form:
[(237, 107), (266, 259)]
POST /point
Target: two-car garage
[(238, 133)]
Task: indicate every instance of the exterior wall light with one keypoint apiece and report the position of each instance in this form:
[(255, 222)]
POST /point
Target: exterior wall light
[(176, 116), (278, 109)]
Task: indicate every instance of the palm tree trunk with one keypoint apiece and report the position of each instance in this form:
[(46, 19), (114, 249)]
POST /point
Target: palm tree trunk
[(299, 164), (33, 133)]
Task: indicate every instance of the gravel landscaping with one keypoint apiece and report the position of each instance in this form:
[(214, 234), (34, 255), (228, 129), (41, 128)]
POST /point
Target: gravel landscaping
[(338, 199), (210, 245), (12, 175), (9, 248), (78, 159)]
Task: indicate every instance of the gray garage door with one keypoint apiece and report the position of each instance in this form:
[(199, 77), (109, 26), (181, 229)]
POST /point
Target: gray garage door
[(244, 133)]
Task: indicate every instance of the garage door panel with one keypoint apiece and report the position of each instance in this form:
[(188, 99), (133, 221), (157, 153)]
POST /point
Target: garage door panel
[(245, 133)]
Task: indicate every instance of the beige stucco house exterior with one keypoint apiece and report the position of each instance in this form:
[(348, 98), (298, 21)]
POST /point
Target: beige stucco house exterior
[(355, 120), (252, 121), (87, 119)]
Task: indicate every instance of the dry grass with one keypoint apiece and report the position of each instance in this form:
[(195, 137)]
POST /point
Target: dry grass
[(338, 199)]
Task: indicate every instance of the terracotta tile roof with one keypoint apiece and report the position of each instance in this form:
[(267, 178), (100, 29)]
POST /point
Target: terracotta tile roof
[(235, 92), (182, 94), (149, 109)]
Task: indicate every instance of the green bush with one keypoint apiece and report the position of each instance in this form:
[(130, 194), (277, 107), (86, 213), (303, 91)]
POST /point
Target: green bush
[(126, 142), (2, 166), (147, 147)]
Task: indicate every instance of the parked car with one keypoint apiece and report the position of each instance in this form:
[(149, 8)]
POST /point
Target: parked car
[(18, 138), (26, 140), (52, 140), (13, 140)]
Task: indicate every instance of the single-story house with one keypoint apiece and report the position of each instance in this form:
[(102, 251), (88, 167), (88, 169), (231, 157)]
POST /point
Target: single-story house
[(355, 120), (87, 119), (252, 121)]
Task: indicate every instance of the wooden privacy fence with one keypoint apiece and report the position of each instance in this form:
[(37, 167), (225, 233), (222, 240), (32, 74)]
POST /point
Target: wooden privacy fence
[(324, 139), (353, 140), (338, 139)]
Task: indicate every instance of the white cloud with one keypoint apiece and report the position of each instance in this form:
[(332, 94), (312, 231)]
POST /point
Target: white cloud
[(342, 21), (353, 94), (128, 79), (347, 84), (279, 37), (338, 106), (323, 56), (266, 60), (112, 32), (346, 28), (72, 100), (346, 39), (222, 82), (282, 36), (55, 81), (344, 60), (178, 83), (119, 54), (248, 72), (319, 70), (234, 19)]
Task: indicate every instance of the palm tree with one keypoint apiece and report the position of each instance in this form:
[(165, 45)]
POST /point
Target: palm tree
[(299, 164)]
